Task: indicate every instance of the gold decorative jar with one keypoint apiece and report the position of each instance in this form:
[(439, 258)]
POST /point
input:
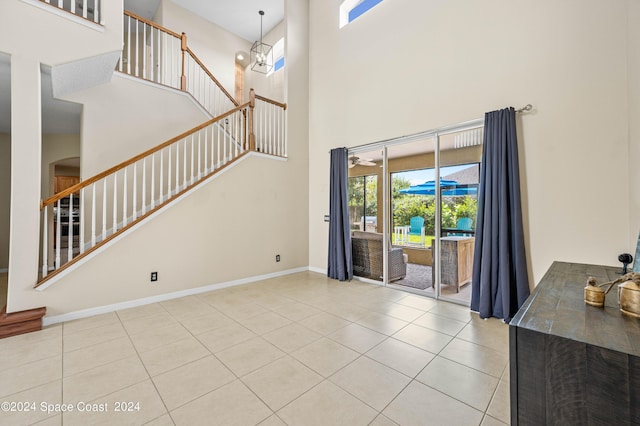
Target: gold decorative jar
[(629, 298), (593, 295)]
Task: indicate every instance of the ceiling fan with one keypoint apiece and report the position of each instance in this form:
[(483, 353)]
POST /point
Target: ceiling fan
[(357, 161)]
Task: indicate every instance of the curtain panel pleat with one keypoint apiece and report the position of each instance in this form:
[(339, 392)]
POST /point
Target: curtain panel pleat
[(500, 282), (340, 264)]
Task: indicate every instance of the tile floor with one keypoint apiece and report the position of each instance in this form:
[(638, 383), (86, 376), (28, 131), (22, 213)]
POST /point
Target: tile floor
[(296, 350)]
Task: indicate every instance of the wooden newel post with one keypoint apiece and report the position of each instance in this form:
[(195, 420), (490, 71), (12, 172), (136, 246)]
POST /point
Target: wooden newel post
[(252, 105), (183, 47)]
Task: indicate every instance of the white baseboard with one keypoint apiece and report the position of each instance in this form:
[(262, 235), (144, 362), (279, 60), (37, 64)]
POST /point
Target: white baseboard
[(318, 270), (49, 320)]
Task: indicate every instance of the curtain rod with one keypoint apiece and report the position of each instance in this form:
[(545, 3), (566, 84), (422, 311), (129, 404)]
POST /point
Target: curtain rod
[(460, 127), (526, 108)]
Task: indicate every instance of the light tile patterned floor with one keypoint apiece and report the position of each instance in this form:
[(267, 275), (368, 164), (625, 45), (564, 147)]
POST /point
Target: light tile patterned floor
[(296, 350)]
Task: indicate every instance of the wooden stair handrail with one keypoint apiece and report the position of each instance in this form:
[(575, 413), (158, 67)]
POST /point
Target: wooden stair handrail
[(139, 219), (215, 80), (271, 101), (77, 187), (153, 24)]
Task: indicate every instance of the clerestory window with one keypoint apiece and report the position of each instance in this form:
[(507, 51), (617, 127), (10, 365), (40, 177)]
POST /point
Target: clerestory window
[(350, 10)]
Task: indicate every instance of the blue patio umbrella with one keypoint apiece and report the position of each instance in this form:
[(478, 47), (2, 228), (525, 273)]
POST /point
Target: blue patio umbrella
[(449, 188)]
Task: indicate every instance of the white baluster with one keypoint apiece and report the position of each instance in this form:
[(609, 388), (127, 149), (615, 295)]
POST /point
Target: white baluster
[(134, 202), (144, 51), (236, 129), (104, 209), (284, 131), (200, 154), (96, 12), (224, 147), (128, 44), (161, 182), (153, 180), (45, 241), (58, 235), (82, 220), (144, 185), (125, 194), (115, 203), (177, 167), (169, 174), (184, 165), (73, 7), (70, 230), (152, 65), (137, 49), (218, 141), (93, 215), (193, 149)]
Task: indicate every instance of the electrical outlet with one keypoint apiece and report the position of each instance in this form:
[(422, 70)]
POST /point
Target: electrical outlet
[(277, 258), (154, 276)]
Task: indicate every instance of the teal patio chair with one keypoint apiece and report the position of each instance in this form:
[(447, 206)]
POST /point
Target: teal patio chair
[(416, 227), (465, 224)]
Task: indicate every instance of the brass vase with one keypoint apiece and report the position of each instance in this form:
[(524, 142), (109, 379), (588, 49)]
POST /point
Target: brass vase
[(629, 298)]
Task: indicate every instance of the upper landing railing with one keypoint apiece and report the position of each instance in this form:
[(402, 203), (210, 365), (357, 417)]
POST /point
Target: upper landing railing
[(162, 56), (87, 9)]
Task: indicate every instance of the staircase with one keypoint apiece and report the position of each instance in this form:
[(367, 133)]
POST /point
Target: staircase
[(81, 219)]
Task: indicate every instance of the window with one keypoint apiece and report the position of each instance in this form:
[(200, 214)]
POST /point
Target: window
[(279, 64), (350, 10), (363, 203), (278, 56)]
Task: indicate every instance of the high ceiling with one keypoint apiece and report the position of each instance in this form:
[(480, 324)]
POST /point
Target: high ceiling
[(239, 17), (236, 16)]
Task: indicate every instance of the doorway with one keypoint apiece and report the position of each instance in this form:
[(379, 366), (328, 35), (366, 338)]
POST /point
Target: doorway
[(425, 206)]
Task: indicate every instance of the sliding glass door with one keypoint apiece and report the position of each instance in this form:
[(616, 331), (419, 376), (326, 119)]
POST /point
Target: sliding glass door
[(412, 208)]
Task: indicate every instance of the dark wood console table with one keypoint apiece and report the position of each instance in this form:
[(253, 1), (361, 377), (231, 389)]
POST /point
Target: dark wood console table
[(571, 363)]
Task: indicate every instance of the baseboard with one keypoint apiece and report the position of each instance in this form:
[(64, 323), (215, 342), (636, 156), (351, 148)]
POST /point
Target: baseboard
[(84, 313), (21, 322), (318, 270)]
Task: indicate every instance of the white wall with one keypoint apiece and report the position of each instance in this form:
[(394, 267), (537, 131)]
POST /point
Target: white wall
[(213, 45), (125, 117), (64, 40), (443, 62), (272, 85), (56, 147)]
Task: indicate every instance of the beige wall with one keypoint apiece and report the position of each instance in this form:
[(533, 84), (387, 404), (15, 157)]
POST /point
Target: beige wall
[(213, 45), (56, 147), (125, 117), (467, 58), (231, 228), (64, 40), (5, 197)]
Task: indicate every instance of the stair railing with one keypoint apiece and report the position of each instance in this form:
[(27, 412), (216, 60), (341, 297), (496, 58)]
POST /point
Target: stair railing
[(99, 208), (87, 9), (157, 54)]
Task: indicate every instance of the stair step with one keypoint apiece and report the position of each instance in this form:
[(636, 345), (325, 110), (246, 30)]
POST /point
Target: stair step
[(20, 322)]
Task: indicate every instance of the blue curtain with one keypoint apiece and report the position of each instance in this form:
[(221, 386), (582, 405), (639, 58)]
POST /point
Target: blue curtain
[(500, 280), (340, 263)]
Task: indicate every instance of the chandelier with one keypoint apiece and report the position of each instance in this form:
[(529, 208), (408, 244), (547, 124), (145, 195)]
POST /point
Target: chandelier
[(261, 53)]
